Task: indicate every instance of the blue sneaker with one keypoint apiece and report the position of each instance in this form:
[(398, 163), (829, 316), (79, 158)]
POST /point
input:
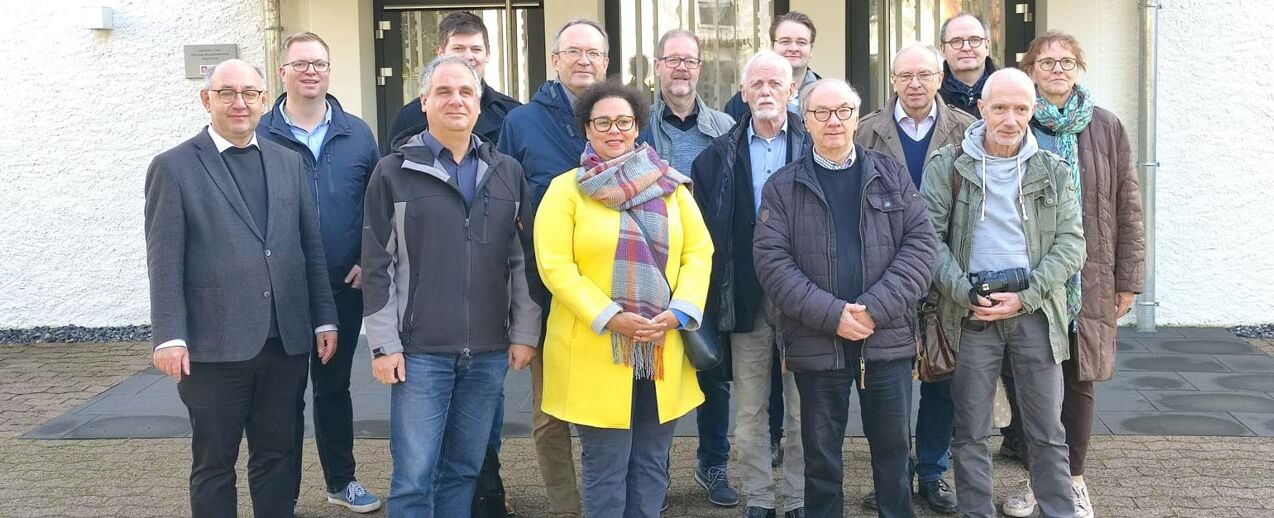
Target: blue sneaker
[(716, 482), (355, 498)]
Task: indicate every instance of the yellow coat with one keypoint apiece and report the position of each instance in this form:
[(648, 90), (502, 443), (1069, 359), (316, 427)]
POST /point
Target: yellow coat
[(575, 241)]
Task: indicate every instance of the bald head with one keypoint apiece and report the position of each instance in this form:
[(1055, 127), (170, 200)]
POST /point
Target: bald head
[(1008, 81), (918, 53), (238, 66)]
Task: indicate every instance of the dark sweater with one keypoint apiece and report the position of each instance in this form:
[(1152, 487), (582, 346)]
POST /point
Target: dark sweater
[(248, 171), (843, 190), (914, 151)]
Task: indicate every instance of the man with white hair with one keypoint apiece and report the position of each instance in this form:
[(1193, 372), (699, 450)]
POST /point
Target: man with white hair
[(844, 249), (447, 302), (1020, 224), (728, 177), (914, 123)]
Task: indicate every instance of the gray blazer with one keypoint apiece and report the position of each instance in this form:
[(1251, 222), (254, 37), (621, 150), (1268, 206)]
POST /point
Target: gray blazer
[(213, 273)]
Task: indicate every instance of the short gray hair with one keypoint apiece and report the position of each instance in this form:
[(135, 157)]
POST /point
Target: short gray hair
[(207, 77), (678, 33), (766, 56), (986, 29), (1012, 74), (854, 100), (913, 46), (580, 20), (427, 74)]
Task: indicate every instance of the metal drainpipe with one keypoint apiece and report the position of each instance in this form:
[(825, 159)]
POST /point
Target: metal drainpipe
[(273, 38), (1148, 166)]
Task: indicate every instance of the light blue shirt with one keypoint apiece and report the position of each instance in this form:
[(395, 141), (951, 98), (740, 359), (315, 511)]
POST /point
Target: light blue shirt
[(768, 156), (311, 139)]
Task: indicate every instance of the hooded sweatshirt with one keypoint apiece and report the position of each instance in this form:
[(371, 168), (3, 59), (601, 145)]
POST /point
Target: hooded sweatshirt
[(999, 239)]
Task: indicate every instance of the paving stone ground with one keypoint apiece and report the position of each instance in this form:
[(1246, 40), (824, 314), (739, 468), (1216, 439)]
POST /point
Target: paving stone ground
[(1133, 476)]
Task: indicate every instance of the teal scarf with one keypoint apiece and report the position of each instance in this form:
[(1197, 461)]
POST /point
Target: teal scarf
[(1067, 123)]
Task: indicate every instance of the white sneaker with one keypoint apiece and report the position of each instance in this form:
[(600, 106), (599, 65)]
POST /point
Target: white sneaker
[(1083, 504), (1021, 503)]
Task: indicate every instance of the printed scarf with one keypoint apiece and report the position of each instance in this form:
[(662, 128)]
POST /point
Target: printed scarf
[(1067, 123), (634, 184)]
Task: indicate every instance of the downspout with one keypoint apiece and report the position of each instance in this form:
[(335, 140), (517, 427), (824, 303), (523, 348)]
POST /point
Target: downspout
[(273, 38), (1148, 166)]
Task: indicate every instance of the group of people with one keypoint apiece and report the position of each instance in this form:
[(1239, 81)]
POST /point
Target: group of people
[(583, 233)]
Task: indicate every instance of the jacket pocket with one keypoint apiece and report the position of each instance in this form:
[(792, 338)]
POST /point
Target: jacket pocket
[(891, 202)]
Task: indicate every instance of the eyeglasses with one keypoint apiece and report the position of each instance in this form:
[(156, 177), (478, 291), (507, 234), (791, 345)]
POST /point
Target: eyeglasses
[(958, 43), (1048, 64), (842, 113), (906, 79), (576, 54), (227, 95), (674, 62), (603, 124), (302, 65), (799, 42)]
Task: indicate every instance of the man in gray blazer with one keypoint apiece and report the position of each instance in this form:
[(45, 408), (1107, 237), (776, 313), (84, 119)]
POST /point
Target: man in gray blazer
[(238, 292)]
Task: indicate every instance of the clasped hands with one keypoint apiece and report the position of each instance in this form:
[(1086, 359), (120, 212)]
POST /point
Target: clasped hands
[(855, 322), (640, 328)]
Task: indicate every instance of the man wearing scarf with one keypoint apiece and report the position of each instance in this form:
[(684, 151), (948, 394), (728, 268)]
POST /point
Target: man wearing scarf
[(1095, 146), (966, 47)]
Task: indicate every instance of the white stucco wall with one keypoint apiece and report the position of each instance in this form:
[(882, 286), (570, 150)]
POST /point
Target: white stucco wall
[(84, 113)]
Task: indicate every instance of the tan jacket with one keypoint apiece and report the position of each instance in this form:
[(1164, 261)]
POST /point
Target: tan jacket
[(1115, 239), (878, 132)]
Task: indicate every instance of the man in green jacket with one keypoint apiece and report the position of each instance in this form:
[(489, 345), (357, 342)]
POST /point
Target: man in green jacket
[(1014, 207)]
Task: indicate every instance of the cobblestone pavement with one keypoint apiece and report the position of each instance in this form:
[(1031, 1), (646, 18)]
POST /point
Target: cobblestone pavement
[(1134, 476)]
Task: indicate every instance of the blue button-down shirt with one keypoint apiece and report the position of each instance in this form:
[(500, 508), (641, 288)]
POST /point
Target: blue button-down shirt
[(768, 156), (465, 171), (311, 139)]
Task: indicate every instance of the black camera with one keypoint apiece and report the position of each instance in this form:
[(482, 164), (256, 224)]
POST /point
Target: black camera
[(1010, 280)]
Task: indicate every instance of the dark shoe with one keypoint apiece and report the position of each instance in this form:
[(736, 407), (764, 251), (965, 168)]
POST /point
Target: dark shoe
[(938, 496), (1013, 448), (776, 454), (795, 513), (869, 501), (757, 512), (716, 482)]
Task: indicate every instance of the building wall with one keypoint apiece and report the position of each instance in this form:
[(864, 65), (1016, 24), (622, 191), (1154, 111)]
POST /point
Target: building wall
[(85, 111), (829, 17)]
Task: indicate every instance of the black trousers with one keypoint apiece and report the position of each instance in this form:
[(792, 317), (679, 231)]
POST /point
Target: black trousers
[(261, 396), (333, 410), (886, 413)]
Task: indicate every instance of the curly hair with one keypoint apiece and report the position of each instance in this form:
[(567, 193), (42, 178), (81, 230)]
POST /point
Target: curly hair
[(639, 101)]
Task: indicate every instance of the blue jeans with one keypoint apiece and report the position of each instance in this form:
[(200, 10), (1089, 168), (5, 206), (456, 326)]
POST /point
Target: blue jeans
[(625, 471), (935, 423), (713, 418), (446, 402)]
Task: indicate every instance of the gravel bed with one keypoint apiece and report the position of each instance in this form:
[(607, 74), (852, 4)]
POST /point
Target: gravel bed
[(74, 334), (1262, 331)]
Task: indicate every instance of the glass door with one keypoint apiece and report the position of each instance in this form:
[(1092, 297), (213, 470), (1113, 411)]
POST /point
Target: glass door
[(407, 40)]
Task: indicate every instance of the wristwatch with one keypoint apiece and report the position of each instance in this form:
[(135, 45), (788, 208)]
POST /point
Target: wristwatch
[(378, 352)]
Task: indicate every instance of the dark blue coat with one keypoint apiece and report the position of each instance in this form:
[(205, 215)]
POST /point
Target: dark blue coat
[(542, 135), (338, 181)]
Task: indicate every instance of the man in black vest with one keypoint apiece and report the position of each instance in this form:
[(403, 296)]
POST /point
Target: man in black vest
[(238, 291)]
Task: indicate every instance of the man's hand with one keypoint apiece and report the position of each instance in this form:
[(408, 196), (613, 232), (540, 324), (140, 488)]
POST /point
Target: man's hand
[(1123, 303), (326, 345), (631, 325), (1006, 305), (390, 369), (172, 361), (851, 328), (355, 277), (520, 356)]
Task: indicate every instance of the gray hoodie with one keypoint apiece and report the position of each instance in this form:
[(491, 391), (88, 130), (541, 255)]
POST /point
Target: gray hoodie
[(999, 239)]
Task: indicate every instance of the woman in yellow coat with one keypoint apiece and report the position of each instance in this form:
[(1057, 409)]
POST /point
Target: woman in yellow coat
[(623, 249)]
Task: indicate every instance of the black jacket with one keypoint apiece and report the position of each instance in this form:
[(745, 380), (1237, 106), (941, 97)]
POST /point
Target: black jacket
[(441, 278), (410, 120), (795, 250), (960, 95), (723, 189)]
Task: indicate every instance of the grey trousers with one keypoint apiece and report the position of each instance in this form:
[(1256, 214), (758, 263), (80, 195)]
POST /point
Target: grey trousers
[(983, 347), (626, 470), (752, 355)]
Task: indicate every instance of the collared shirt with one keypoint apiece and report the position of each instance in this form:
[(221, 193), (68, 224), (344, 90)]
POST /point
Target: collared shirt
[(690, 122), (311, 139), (915, 129), (827, 163), (223, 144), (465, 171), (768, 156)]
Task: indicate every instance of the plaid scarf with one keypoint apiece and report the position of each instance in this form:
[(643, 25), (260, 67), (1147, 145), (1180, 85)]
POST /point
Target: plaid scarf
[(634, 184), (1067, 123)]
